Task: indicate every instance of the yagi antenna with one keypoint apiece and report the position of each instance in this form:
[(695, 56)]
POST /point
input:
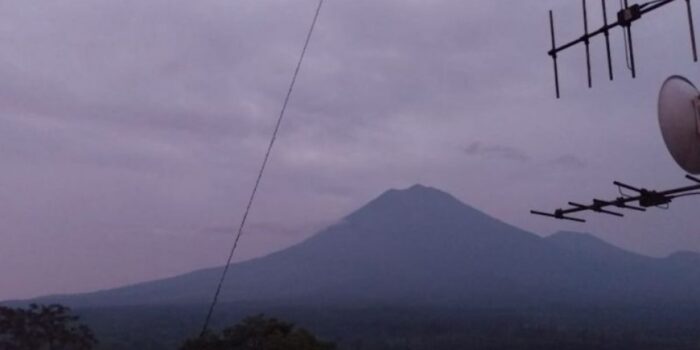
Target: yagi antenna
[(625, 17), (679, 121), (642, 197)]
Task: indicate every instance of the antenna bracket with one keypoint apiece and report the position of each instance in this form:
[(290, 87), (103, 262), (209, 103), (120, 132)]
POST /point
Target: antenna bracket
[(653, 199), (626, 16)]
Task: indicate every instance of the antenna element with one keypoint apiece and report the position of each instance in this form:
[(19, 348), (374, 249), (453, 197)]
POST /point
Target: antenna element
[(625, 18)]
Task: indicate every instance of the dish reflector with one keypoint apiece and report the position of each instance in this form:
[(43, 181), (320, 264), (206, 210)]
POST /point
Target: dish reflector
[(679, 119)]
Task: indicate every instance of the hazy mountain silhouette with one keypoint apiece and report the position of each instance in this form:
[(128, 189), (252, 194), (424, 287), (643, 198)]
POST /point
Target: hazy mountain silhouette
[(421, 245)]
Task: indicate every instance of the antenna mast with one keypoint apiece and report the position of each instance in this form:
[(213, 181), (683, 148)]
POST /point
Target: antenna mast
[(625, 17)]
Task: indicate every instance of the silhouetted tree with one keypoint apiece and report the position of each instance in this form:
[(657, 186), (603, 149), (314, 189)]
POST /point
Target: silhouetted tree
[(42, 327), (258, 333)]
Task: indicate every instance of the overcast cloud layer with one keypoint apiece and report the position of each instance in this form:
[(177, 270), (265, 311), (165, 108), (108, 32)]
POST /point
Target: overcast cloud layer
[(131, 131)]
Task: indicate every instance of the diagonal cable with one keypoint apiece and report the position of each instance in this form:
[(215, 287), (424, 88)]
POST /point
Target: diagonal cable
[(239, 232)]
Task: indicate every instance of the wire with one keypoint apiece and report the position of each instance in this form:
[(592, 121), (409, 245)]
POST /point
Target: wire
[(648, 3), (624, 37), (686, 194), (622, 193), (239, 232)]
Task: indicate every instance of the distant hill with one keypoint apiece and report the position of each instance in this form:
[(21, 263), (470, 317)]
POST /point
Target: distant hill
[(422, 246)]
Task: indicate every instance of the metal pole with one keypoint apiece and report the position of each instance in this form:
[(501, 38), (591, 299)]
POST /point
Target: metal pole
[(692, 31), (554, 53), (586, 42), (607, 39), (629, 40)]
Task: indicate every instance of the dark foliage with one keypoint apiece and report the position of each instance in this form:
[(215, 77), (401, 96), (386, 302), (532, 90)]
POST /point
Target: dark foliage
[(376, 327), (258, 333), (40, 327)]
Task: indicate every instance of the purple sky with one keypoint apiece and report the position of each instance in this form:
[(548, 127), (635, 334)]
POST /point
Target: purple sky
[(131, 131)]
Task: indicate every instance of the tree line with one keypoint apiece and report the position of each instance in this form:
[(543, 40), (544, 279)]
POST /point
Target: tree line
[(55, 327)]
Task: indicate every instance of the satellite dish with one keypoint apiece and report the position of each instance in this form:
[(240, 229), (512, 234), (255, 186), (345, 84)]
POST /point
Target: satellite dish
[(679, 119)]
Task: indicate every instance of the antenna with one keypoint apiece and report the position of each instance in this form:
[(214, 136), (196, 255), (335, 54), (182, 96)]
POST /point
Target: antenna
[(607, 39), (625, 17), (643, 197), (586, 41), (679, 121)]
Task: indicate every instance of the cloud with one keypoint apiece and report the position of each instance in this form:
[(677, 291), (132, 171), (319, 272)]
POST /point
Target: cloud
[(568, 161), (156, 114), (496, 151), (219, 230)]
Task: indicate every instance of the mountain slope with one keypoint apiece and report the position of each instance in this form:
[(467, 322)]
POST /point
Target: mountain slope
[(587, 246), (421, 245)]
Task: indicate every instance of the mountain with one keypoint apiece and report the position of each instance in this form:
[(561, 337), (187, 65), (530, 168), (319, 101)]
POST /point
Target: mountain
[(422, 245), (640, 278), (587, 246)]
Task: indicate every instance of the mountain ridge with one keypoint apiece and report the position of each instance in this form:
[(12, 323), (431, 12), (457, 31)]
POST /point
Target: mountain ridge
[(422, 245)]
